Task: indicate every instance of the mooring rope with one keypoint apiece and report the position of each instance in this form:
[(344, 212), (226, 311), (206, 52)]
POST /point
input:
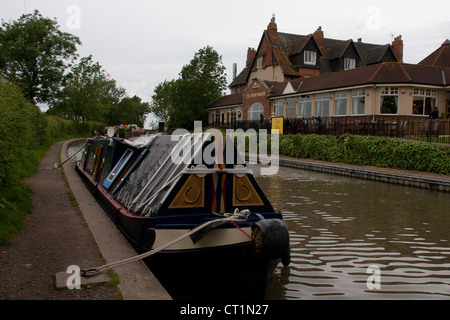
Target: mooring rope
[(58, 165), (237, 216)]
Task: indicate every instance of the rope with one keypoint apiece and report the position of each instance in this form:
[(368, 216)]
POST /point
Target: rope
[(236, 216), (57, 165)]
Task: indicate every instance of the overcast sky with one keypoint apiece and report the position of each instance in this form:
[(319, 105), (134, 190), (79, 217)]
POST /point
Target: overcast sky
[(142, 43)]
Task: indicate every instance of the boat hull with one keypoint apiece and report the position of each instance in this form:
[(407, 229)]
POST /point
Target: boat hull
[(230, 269), (231, 272)]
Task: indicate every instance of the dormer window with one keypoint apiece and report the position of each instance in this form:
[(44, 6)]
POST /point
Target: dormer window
[(310, 57), (259, 62), (349, 63)]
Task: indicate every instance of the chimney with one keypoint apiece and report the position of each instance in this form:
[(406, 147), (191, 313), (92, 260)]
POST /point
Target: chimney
[(397, 47), (234, 70), (251, 53), (318, 36), (359, 40), (272, 29)]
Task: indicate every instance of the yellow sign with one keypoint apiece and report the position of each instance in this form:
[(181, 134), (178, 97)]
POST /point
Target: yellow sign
[(277, 123)]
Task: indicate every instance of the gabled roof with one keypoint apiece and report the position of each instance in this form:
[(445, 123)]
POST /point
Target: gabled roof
[(280, 49), (285, 45), (440, 57), (371, 53), (337, 49)]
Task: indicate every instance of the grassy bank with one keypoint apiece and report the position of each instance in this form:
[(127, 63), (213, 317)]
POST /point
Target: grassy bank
[(26, 134)]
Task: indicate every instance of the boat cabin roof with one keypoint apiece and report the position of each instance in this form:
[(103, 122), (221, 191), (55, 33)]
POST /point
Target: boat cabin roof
[(172, 174)]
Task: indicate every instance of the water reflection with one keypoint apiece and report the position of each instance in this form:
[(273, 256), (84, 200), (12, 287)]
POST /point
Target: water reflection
[(342, 226)]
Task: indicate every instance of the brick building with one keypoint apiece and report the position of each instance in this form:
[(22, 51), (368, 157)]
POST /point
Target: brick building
[(310, 76)]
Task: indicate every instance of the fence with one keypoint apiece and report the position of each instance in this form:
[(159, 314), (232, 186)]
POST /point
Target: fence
[(430, 130)]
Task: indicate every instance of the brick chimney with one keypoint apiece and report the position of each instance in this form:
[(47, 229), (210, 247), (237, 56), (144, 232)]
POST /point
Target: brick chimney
[(318, 36), (272, 30), (251, 53), (397, 47)]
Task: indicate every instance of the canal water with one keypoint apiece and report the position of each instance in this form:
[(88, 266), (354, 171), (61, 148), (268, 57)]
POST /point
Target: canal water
[(358, 239)]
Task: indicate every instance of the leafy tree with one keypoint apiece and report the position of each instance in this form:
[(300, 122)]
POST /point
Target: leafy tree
[(201, 82), (129, 111), (162, 101), (34, 55), (89, 93)]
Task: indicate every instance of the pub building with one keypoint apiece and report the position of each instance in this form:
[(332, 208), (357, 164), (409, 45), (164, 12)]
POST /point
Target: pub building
[(310, 76)]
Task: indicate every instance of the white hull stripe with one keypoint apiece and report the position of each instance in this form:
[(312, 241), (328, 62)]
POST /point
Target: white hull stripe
[(214, 238)]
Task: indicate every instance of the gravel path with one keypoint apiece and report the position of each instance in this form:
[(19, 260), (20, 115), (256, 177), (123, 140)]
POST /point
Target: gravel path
[(54, 236)]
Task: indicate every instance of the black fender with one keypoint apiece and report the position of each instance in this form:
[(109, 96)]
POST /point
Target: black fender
[(271, 240)]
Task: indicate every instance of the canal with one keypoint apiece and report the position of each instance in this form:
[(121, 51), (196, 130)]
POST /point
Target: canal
[(358, 239)]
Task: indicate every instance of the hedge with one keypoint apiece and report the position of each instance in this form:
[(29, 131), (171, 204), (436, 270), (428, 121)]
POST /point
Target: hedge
[(368, 150), (26, 134)]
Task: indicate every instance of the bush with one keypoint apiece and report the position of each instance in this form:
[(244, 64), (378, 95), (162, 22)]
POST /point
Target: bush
[(367, 150), (18, 130)]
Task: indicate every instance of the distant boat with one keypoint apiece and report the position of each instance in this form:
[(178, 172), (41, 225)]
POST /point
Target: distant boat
[(157, 189)]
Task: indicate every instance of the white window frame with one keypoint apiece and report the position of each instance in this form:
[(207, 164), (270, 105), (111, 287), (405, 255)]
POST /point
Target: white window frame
[(255, 110), (322, 105), (310, 57), (259, 62), (349, 63), (278, 107), (340, 97), (358, 99), (425, 95), (305, 106), (291, 107), (389, 92)]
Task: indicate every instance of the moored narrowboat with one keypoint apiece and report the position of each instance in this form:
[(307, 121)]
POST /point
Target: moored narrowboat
[(158, 188)]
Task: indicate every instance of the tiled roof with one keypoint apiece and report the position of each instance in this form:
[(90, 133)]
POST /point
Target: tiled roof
[(383, 73), (241, 78), (440, 57), (228, 100)]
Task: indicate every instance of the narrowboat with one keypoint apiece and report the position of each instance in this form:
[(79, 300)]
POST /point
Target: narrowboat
[(159, 187)]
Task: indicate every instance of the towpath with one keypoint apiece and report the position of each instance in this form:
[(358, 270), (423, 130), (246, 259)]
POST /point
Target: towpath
[(57, 235)]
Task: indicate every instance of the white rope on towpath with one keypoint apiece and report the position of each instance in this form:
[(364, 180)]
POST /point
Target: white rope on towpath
[(233, 217)]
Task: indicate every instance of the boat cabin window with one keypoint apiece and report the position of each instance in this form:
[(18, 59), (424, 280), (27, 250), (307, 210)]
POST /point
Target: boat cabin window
[(118, 168)]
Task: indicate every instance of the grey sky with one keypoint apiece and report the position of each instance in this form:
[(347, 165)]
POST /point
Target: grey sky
[(142, 43)]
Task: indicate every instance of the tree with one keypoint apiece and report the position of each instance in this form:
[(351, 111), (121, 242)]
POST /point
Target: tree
[(34, 55), (161, 100), (89, 93), (201, 82), (129, 111)]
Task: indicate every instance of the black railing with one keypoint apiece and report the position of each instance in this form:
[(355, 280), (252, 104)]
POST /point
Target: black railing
[(430, 130)]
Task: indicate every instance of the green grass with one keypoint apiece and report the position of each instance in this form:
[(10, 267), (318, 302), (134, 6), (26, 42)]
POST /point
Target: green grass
[(15, 204)]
